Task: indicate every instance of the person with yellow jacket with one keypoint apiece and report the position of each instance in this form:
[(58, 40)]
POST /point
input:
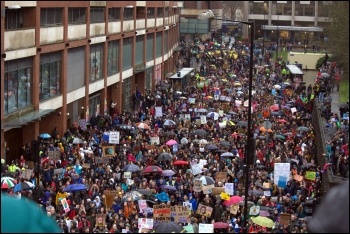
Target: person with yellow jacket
[(59, 196), (13, 167)]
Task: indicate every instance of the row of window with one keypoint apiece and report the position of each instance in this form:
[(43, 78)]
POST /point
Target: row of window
[(18, 73), (54, 16)]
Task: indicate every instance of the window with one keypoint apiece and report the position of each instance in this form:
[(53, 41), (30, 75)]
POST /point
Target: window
[(13, 19), (76, 67), (127, 53), (94, 105), (127, 94), (128, 13), (50, 16), (97, 15), (113, 14), (113, 55), (159, 44), (150, 12), (139, 49), (149, 47), (17, 84), (76, 15), (50, 73), (165, 47), (96, 58), (160, 12), (166, 12)]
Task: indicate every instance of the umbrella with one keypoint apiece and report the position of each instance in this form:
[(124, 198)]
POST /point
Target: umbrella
[(280, 137), (169, 133), (208, 97), (168, 227), (199, 132), (7, 182), (168, 173), (164, 157), (254, 210), (77, 141), (75, 187), (213, 115), (163, 196), (170, 187), (278, 87), (274, 107), (26, 185), (282, 121), (267, 124), (146, 192), (171, 142), (233, 200), (239, 92), (180, 162), (256, 192), (44, 135), (203, 141), (206, 180), (249, 203), (264, 213), (131, 168), (325, 75), (201, 110), (263, 221), (143, 126), (169, 122), (224, 143), (210, 147), (227, 154), (262, 129), (221, 225), (150, 169), (242, 123), (184, 141), (286, 107), (303, 128)]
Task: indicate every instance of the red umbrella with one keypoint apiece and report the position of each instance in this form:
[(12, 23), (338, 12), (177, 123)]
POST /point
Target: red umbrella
[(150, 169), (178, 163), (233, 200), (274, 107), (221, 225), (282, 121), (131, 158)]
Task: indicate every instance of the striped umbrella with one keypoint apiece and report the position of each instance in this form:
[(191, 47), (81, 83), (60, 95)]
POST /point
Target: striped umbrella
[(7, 182)]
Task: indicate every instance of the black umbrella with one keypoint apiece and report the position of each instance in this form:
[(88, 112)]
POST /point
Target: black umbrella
[(198, 132), (131, 168), (210, 147), (146, 192), (224, 143), (168, 227), (169, 133), (194, 156), (164, 157), (256, 192)]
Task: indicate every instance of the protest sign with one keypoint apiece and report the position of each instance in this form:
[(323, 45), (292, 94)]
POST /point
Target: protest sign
[(206, 228), (240, 174), (180, 214), (267, 193), (204, 210), (310, 175), (159, 111), (104, 160), (197, 185), (65, 205), (285, 219), (203, 119), (161, 213), (196, 169), (127, 174), (142, 204), (220, 176), (189, 229), (234, 209), (86, 165), (145, 223), (113, 137), (298, 178), (54, 155), (203, 162), (281, 169), (109, 197), (108, 150), (218, 190), (208, 189), (188, 205), (187, 116), (229, 188), (154, 140)]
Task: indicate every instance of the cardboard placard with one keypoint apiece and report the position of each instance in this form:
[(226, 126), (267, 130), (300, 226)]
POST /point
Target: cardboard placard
[(298, 178), (180, 214), (145, 223), (218, 190), (204, 210), (161, 213), (220, 176), (188, 205), (208, 189), (285, 219), (86, 165), (109, 197), (234, 209), (54, 155), (108, 151), (57, 171), (197, 185), (103, 160)]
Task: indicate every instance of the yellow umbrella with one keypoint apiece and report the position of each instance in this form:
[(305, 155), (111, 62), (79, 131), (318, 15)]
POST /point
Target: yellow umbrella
[(223, 80), (263, 221)]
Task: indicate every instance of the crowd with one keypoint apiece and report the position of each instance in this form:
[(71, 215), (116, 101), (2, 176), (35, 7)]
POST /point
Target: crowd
[(281, 125)]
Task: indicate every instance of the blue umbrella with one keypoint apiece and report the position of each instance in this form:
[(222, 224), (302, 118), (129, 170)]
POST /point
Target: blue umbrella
[(168, 173), (23, 186), (163, 197), (131, 168), (44, 135), (75, 187)]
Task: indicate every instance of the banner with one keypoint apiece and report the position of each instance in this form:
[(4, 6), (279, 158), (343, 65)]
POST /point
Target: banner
[(114, 137), (206, 228), (159, 111), (281, 169), (229, 188), (145, 223), (204, 210), (161, 213), (180, 214)]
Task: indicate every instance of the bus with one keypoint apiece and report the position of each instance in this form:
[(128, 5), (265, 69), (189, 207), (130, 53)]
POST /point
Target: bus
[(181, 78)]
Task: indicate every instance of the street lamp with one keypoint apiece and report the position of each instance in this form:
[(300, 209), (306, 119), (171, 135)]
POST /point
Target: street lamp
[(250, 140)]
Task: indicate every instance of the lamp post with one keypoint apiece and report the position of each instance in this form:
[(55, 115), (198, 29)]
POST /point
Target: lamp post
[(249, 152)]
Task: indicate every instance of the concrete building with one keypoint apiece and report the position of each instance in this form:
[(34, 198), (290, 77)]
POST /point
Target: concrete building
[(64, 61)]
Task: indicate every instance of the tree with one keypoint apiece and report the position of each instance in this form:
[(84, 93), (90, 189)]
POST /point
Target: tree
[(337, 33)]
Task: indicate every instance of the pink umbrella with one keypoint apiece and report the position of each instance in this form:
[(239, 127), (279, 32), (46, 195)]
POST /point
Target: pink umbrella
[(282, 121), (274, 107), (264, 213), (171, 142), (233, 200)]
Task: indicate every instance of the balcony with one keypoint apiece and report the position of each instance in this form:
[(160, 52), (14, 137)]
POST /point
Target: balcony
[(140, 24), (151, 23), (51, 35), (97, 29), (19, 39), (128, 25), (21, 3), (159, 22), (76, 32), (97, 3), (114, 27)]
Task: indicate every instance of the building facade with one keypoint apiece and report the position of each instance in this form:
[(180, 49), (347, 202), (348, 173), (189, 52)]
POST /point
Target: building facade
[(62, 62)]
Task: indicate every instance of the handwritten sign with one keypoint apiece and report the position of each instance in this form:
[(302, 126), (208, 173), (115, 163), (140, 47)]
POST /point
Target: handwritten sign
[(310, 175), (196, 169), (109, 197), (203, 162), (180, 214), (298, 178), (54, 155), (203, 119), (197, 185), (285, 219), (159, 111), (220, 176), (154, 140), (234, 209), (161, 213), (104, 160), (281, 169), (204, 210), (127, 174), (208, 189), (145, 223), (114, 137), (218, 190), (206, 228), (142, 204), (229, 188)]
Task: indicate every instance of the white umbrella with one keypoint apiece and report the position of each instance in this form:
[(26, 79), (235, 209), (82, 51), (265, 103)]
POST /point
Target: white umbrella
[(143, 126), (227, 154), (201, 110), (184, 141), (169, 122), (278, 87), (203, 141), (77, 141)]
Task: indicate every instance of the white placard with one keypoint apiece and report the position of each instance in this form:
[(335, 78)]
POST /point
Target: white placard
[(159, 111), (154, 140), (145, 223), (238, 102), (196, 169), (222, 98), (267, 193), (221, 113), (281, 169), (206, 228), (203, 119), (229, 188), (187, 116), (82, 124), (203, 162), (293, 109), (114, 137), (127, 174), (228, 99), (192, 100)]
